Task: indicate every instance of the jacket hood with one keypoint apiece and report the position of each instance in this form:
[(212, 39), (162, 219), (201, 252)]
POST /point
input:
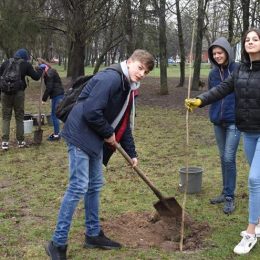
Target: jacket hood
[(22, 54), (224, 44)]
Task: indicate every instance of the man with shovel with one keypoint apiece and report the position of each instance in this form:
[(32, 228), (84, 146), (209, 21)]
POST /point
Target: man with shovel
[(102, 116)]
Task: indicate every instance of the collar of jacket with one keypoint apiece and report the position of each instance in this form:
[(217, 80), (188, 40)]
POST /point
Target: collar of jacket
[(133, 85)]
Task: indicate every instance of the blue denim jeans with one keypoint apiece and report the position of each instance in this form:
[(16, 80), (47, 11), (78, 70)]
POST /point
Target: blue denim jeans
[(56, 123), (227, 137), (252, 152), (85, 181)]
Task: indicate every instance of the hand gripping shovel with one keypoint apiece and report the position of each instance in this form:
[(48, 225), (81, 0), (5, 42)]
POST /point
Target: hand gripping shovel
[(166, 207)]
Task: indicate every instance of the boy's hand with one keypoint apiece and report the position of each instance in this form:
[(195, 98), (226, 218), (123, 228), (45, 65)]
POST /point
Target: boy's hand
[(134, 162), (192, 103), (111, 140)]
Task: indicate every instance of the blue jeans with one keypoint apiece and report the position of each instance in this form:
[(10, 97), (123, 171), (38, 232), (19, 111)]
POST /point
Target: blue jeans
[(227, 137), (56, 123), (86, 180), (252, 152)]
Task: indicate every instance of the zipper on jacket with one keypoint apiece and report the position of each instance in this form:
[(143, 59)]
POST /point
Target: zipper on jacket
[(222, 100)]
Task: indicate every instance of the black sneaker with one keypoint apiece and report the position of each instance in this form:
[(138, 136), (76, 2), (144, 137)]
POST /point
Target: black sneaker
[(229, 205), (218, 199), (53, 137), (56, 252), (101, 241)]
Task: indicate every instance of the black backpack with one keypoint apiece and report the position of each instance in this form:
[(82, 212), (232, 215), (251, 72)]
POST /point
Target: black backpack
[(71, 95), (11, 81), (70, 98)]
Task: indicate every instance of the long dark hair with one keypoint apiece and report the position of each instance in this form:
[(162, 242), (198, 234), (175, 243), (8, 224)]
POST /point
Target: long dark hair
[(245, 55)]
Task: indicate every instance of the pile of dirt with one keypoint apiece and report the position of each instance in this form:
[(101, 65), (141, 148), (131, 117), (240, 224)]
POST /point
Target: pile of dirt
[(146, 230)]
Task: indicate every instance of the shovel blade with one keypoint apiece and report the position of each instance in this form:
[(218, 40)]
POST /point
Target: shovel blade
[(37, 137), (169, 207)]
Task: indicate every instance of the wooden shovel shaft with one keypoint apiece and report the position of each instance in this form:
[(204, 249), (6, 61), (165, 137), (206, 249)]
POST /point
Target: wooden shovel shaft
[(139, 172)]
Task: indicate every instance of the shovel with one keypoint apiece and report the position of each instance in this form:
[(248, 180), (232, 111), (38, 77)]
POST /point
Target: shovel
[(37, 137), (166, 207)]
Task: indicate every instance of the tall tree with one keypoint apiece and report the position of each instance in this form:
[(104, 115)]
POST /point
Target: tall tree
[(181, 45), (198, 46), (245, 10), (141, 25), (160, 11), (18, 26), (128, 26), (231, 20), (83, 20)]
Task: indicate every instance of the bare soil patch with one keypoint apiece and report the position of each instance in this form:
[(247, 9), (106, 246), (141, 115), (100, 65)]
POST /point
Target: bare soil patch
[(145, 230)]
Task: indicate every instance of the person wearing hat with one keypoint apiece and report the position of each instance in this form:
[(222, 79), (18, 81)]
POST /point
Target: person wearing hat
[(14, 100)]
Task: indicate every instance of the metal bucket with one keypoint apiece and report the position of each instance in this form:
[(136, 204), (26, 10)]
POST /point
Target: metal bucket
[(27, 126), (193, 182), (49, 120)]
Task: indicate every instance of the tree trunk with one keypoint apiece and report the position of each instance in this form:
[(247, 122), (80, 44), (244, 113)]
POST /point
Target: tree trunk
[(231, 21), (141, 25), (163, 47), (181, 46), (76, 59), (198, 48), (127, 17), (245, 9)]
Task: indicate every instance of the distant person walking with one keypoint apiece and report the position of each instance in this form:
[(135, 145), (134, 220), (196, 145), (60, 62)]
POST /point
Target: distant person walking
[(222, 115), (55, 91), (13, 85)]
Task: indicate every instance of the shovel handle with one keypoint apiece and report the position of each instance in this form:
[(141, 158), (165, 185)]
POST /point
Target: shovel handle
[(138, 171)]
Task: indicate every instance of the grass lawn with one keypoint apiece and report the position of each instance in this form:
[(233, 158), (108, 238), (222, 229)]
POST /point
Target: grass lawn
[(33, 181), (173, 71)]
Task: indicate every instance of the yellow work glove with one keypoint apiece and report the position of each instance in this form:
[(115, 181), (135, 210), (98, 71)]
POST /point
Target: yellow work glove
[(192, 103)]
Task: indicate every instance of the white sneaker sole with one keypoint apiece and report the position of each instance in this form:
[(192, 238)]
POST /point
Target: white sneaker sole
[(238, 252)]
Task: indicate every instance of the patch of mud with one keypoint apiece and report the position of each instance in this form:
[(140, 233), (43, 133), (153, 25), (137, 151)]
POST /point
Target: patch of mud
[(146, 230)]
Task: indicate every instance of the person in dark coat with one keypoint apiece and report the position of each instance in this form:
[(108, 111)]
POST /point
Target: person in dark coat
[(222, 115), (15, 100), (245, 83), (101, 115), (55, 91)]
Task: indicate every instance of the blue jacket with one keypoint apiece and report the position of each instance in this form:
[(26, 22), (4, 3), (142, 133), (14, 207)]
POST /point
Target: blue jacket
[(90, 120), (222, 111)]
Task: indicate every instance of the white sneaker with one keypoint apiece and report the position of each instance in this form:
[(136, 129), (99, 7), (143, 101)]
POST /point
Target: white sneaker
[(5, 145), (21, 144), (245, 245), (257, 231)]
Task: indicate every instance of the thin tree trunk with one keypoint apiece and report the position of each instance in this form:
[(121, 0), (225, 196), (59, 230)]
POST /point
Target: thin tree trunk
[(181, 46), (198, 48), (231, 21), (245, 9), (163, 46)]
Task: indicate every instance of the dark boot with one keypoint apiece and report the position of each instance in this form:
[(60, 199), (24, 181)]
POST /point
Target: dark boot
[(229, 205), (101, 241), (56, 252), (218, 199)]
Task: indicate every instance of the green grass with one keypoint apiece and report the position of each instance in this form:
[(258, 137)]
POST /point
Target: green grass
[(33, 181), (172, 71)]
